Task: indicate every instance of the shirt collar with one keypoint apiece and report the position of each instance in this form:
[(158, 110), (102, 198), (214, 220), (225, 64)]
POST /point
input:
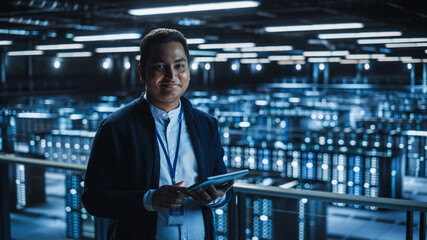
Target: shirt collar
[(162, 115)]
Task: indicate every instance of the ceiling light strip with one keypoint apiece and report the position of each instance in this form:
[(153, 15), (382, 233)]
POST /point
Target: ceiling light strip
[(325, 53), (290, 62), (117, 49), (254, 60), (237, 55), (359, 35), (74, 54), (226, 45), (286, 57), (320, 60), (195, 41), (405, 45), (107, 37), (390, 40), (25, 53), (193, 8), (313, 27), (60, 46), (209, 59), (5, 42), (267, 49)]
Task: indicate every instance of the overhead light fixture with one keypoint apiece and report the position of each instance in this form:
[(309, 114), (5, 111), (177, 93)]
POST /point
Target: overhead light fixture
[(364, 56), (195, 41), (267, 49), (390, 40), (353, 61), (290, 62), (226, 45), (389, 59), (254, 60), (286, 57), (117, 49), (325, 53), (25, 53), (313, 27), (5, 42), (405, 45), (317, 60), (16, 32), (193, 8), (209, 59), (359, 35), (417, 60), (74, 54), (202, 53), (107, 37), (237, 55), (60, 46)]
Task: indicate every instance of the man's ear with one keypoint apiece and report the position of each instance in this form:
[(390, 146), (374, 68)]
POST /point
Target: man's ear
[(141, 73)]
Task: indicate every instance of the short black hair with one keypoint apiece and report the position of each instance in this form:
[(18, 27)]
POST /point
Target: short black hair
[(161, 35)]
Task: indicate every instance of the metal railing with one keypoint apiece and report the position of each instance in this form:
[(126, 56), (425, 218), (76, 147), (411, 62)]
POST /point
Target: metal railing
[(241, 189)]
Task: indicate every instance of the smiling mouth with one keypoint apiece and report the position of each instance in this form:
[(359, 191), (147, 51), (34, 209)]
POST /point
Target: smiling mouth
[(171, 85)]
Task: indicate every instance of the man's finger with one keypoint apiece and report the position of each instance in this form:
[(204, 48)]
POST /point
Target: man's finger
[(227, 186)]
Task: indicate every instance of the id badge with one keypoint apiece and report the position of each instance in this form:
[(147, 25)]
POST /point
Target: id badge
[(176, 216)]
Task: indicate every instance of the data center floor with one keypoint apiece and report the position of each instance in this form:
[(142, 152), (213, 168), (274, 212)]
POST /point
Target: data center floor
[(47, 221)]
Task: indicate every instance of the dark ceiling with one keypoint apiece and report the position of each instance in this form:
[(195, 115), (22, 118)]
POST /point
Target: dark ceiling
[(53, 21)]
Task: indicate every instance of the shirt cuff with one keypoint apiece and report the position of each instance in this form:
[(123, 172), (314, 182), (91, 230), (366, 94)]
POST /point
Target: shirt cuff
[(217, 201), (147, 200)]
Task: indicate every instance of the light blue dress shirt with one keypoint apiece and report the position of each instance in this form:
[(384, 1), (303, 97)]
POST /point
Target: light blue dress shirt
[(167, 124)]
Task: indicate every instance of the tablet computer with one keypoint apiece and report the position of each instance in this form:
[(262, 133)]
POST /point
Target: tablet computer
[(219, 180)]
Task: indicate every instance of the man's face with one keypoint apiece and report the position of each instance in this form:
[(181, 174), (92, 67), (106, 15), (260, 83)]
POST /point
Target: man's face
[(166, 73)]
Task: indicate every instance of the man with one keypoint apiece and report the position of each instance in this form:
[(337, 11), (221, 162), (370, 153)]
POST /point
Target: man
[(145, 155)]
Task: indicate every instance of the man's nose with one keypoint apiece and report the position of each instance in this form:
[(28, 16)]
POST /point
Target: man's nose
[(170, 73)]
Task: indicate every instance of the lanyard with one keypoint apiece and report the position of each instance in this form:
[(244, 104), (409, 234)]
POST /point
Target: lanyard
[(172, 169)]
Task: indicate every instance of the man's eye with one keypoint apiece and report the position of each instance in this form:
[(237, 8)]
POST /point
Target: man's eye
[(158, 67), (180, 66)]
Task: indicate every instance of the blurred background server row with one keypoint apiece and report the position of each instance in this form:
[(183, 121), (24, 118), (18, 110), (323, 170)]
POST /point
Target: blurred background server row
[(318, 95)]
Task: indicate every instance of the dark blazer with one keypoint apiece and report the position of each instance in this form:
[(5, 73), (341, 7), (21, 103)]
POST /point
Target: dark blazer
[(124, 164)]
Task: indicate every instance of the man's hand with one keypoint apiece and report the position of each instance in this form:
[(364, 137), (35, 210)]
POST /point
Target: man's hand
[(206, 196), (169, 196)]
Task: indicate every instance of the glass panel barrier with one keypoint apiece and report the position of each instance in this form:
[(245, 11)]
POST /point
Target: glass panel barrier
[(46, 204)]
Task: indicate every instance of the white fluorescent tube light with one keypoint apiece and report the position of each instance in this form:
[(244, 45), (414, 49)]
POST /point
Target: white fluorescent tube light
[(225, 45), (390, 40), (237, 55), (60, 46), (353, 61), (209, 59), (202, 53), (116, 49), (193, 8), (405, 45), (290, 62), (313, 27), (415, 61), (74, 54), (107, 37), (195, 41), (317, 60), (25, 53), (267, 49), (359, 35), (5, 42), (365, 56), (325, 53), (286, 57), (389, 59), (254, 60)]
